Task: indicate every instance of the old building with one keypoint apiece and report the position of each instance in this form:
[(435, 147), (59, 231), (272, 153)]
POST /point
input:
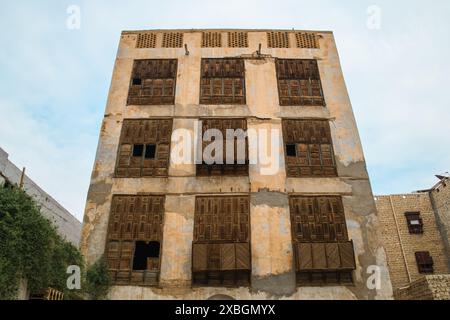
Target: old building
[(302, 225), (414, 231), (66, 224)]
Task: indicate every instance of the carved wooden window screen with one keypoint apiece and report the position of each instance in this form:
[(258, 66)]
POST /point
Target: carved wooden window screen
[(237, 39), (211, 39), (306, 40), (323, 253), (133, 218), (318, 219), (236, 169), (172, 40), (278, 39), (424, 262), (221, 247), (146, 40), (299, 82), (153, 82), (308, 148), (222, 81), (148, 134)]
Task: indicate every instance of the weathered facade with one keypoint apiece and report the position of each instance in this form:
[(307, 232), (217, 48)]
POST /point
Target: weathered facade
[(192, 230), (414, 232)]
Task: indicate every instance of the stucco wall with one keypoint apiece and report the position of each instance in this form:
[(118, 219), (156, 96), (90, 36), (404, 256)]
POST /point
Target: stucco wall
[(271, 243), (67, 225)]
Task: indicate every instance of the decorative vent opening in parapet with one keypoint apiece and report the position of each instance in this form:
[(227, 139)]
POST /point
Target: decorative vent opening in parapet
[(211, 39), (306, 40), (238, 39), (278, 39)]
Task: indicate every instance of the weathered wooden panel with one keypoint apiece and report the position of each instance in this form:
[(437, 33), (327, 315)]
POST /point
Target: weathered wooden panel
[(239, 166), (222, 81), (144, 148), (228, 256), (311, 148), (347, 255), (243, 256), (153, 82), (318, 256), (304, 256), (199, 257), (299, 82)]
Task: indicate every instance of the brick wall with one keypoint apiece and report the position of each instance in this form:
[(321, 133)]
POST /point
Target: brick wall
[(436, 287), (440, 197), (400, 245)]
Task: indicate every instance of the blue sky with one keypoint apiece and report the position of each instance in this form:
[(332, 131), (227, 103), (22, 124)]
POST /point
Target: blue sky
[(54, 81)]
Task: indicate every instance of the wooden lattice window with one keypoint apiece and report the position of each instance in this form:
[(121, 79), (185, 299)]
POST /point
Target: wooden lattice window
[(306, 40), (211, 39), (135, 226), (424, 262), (239, 166), (153, 82), (222, 81), (278, 39), (146, 40), (299, 82), (144, 148), (308, 148), (221, 246), (414, 221), (172, 40), (237, 39), (323, 253)]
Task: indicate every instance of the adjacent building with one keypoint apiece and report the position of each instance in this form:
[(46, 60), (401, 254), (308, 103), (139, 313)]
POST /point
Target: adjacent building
[(415, 229), (300, 223), (66, 224)]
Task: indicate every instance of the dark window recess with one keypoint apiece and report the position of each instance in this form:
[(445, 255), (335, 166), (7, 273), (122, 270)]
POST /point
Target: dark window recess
[(144, 148), (238, 168), (150, 151), (221, 246), (138, 149), (323, 253), (133, 240), (314, 155), (424, 262), (299, 83), (222, 81), (291, 150), (146, 255), (153, 82), (415, 223)]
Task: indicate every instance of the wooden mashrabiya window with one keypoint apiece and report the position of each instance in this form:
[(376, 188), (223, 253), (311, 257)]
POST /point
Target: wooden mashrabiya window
[(323, 253), (153, 82), (221, 246), (299, 82), (144, 148), (308, 148), (222, 81), (134, 238)]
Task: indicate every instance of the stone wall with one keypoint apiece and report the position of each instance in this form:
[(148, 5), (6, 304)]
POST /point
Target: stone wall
[(271, 240), (67, 225), (435, 287), (400, 245), (440, 197)]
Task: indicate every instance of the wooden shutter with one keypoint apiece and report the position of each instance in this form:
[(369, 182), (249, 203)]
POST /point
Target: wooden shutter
[(228, 257), (149, 132), (333, 259), (304, 257), (347, 255), (299, 82), (222, 81), (199, 257), (319, 256), (153, 82), (314, 149), (243, 256)]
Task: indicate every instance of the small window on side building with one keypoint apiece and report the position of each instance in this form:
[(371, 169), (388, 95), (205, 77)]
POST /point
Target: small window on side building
[(424, 262), (415, 223)]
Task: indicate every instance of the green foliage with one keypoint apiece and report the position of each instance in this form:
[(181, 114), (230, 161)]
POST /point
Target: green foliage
[(97, 280), (30, 248)]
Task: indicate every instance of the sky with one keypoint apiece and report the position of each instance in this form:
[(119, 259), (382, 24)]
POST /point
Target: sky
[(54, 79)]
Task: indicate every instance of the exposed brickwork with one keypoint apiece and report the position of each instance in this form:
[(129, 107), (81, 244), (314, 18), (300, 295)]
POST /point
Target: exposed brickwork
[(400, 245), (440, 197), (427, 288)]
